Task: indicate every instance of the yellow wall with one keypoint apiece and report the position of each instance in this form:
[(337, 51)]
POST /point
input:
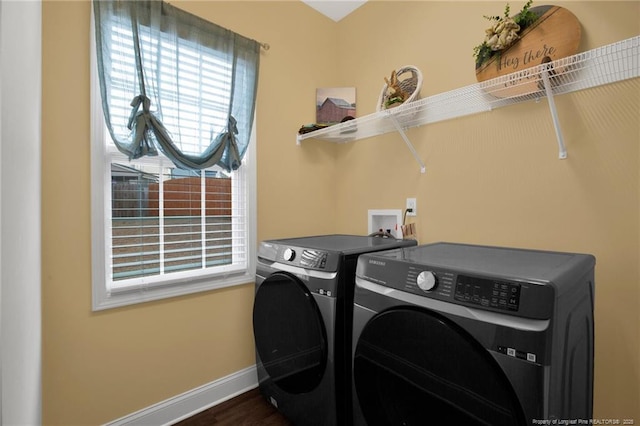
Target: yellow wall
[(495, 178), (492, 179), (100, 366)]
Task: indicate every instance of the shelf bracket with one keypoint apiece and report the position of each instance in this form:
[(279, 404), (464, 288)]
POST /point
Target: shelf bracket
[(562, 151), (408, 142)]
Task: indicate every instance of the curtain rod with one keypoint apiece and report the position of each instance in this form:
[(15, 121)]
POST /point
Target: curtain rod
[(265, 46)]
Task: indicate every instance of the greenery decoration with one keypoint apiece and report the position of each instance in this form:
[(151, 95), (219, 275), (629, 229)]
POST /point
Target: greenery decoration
[(504, 31)]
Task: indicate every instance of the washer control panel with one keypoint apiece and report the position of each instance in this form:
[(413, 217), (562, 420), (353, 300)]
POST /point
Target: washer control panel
[(434, 282), (314, 259), (494, 293), (488, 293), (303, 257)]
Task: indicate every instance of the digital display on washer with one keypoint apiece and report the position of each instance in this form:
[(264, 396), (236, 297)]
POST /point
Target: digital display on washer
[(489, 293), (313, 259)]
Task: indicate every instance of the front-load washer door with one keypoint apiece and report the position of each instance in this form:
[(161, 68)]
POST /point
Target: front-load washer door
[(416, 367), (290, 335)]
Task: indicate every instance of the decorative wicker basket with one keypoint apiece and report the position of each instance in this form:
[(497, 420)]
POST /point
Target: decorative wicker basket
[(410, 81)]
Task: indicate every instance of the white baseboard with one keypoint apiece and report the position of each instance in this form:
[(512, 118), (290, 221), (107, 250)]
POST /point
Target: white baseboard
[(192, 402)]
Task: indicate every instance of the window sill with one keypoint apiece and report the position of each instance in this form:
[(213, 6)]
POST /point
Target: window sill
[(143, 294)]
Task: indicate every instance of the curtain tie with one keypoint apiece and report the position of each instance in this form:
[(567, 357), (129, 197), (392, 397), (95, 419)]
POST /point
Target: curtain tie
[(140, 122), (135, 103), (231, 160), (232, 126)]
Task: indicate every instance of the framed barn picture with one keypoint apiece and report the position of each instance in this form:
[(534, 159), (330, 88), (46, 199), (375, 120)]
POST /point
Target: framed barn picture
[(333, 104)]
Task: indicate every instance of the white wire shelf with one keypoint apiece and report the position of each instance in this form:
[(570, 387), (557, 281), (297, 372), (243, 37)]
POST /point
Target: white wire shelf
[(603, 65)]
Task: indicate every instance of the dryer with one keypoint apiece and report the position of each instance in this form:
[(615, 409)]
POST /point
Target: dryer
[(472, 335), (302, 321)]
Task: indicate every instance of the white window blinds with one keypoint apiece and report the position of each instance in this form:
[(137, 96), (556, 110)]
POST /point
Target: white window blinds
[(165, 220)]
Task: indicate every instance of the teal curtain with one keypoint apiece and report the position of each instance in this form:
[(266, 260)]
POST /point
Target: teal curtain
[(143, 50)]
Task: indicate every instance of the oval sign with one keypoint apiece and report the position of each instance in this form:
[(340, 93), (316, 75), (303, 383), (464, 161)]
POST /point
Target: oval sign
[(554, 35)]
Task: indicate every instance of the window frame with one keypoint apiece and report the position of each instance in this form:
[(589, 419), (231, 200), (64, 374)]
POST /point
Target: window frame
[(189, 283)]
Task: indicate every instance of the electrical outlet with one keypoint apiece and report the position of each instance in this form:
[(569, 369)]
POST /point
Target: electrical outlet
[(413, 205)]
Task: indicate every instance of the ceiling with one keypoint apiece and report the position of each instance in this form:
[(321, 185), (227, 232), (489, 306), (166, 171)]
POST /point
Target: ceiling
[(335, 9)]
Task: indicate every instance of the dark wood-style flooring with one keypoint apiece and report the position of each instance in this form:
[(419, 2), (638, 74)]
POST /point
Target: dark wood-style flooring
[(247, 409)]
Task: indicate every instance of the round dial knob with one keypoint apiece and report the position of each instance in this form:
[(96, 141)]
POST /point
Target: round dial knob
[(289, 255), (427, 280)]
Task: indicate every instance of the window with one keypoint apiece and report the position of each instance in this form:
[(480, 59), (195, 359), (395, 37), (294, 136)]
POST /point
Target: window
[(160, 231)]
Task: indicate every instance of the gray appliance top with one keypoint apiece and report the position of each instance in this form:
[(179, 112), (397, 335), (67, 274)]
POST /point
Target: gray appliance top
[(510, 262), (519, 282), (323, 252), (344, 244)]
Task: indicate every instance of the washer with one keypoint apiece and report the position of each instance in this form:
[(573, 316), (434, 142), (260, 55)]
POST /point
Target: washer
[(302, 322), (472, 335)]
